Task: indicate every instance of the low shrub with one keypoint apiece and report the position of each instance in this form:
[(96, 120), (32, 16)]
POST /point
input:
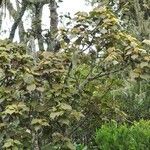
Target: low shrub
[(123, 137)]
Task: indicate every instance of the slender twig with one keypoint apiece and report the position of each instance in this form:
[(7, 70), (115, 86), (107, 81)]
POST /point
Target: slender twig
[(101, 74), (90, 113)]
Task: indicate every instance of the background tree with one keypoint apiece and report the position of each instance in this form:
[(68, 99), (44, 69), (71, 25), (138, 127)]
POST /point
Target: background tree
[(35, 9), (133, 13)]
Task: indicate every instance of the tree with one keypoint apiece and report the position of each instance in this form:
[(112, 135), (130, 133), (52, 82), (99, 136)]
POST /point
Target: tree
[(134, 18), (134, 14), (34, 8)]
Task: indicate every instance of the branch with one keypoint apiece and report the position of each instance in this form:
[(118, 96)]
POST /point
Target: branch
[(91, 112), (101, 74), (36, 24), (38, 1)]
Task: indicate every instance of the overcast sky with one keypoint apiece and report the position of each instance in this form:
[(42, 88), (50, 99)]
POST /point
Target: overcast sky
[(73, 6)]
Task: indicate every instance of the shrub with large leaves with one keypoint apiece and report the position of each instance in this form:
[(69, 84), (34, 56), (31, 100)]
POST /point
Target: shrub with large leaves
[(34, 100)]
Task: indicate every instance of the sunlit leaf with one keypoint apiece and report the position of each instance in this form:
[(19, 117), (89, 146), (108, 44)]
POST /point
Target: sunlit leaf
[(53, 115), (70, 146), (28, 78), (146, 42), (2, 74), (31, 87), (65, 106)]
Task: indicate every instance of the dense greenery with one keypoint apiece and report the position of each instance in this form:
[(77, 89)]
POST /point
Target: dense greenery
[(113, 136), (58, 100)]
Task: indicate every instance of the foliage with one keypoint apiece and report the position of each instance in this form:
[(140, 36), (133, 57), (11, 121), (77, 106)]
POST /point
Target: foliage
[(134, 15), (134, 99), (113, 136), (33, 97), (48, 102)]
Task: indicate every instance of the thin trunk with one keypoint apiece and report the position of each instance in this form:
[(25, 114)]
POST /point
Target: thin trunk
[(1, 17), (17, 20), (14, 13), (36, 23), (20, 27), (53, 25), (31, 45), (35, 141), (53, 16)]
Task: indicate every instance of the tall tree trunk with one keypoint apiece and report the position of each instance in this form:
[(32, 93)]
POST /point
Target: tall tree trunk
[(36, 24), (1, 17), (53, 16), (53, 25), (21, 26)]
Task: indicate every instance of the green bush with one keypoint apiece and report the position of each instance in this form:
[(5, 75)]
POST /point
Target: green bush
[(123, 137)]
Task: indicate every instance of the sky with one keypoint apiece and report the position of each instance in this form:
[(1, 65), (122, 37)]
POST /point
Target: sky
[(71, 6)]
